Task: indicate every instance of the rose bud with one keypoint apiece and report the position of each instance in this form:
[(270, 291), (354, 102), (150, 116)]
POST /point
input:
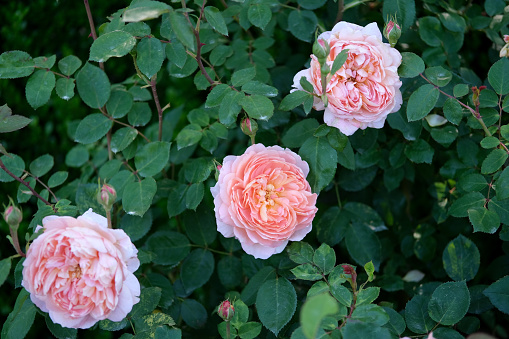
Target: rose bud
[(392, 32), (506, 38), (504, 52), (321, 50), (13, 216), (106, 196), (249, 127), (226, 310)]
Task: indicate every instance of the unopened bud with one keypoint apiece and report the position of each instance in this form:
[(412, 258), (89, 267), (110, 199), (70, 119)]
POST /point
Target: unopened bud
[(226, 310), (506, 38), (504, 52), (249, 127), (392, 32), (106, 196), (321, 50), (13, 216), (475, 94)]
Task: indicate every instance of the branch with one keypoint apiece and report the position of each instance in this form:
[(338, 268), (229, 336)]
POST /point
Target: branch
[(2, 166), (92, 26), (158, 105)]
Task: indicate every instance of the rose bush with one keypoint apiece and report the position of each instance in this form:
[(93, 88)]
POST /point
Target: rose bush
[(366, 88), (80, 271), (262, 198)]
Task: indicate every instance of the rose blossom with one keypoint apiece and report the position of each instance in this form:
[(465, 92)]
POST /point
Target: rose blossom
[(366, 88), (81, 271), (263, 199)]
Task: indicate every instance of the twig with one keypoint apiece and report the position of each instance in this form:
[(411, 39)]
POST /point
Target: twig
[(158, 105), (43, 184), (108, 138), (124, 124), (2, 166), (92, 26), (56, 73), (341, 9)]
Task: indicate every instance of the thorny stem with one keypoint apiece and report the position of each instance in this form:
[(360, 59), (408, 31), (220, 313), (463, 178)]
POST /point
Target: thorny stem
[(228, 336), (108, 216), (341, 9), (15, 241), (475, 112), (158, 105), (196, 33), (43, 184), (108, 138), (2, 166), (124, 124), (92, 26)]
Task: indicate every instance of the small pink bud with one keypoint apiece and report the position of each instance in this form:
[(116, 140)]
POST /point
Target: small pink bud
[(321, 50), (348, 269), (226, 310), (392, 32), (106, 196), (249, 127), (13, 216), (219, 167), (506, 38)]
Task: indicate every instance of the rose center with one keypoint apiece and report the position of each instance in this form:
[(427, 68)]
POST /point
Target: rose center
[(75, 273)]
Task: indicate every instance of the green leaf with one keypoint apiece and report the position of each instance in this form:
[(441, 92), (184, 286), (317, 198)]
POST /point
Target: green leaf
[(230, 108), (314, 310), (21, 318), (430, 30), (249, 293), (364, 214), (9, 122), (216, 95), (140, 114), (193, 313), (402, 10), (337, 139), (152, 321), (77, 156), (58, 331), (339, 61), (302, 24), (177, 199), (363, 244), (241, 313), (136, 227), (498, 76), (367, 295), (200, 226), (460, 90), (449, 303), (484, 220), (169, 247), (138, 196), (242, 76), (494, 161), (365, 331), (453, 22), (371, 314), (188, 136), (293, 100), (331, 226), (176, 53), (325, 258), (149, 298), (416, 315), (196, 269), (475, 182), (257, 107), (41, 165), (370, 269), (69, 65), (306, 272), (216, 20), (152, 158), (256, 87), (145, 10), (65, 88), (112, 44), (92, 128), (14, 164), (498, 293), (39, 87), (396, 322), (421, 102), (15, 64), (460, 207), (438, 75), (119, 104), (445, 136), (229, 270), (453, 111), (489, 142), (122, 138), (194, 195), (322, 160), (93, 86), (502, 184), (276, 303), (461, 259), (182, 29), (5, 268), (259, 14), (150, 55), (419, 152), (301, 252), (249, 330)]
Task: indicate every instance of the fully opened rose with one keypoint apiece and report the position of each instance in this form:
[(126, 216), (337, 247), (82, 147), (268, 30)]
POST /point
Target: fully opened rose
[(366, 88), (263, 199), (80, 271)]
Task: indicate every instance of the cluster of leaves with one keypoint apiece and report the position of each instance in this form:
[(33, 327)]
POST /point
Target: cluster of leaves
[(433, 181)]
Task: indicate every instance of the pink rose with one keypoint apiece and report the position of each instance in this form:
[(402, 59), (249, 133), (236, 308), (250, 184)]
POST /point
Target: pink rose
[(81, 271), (263, 199), (366, 88)]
